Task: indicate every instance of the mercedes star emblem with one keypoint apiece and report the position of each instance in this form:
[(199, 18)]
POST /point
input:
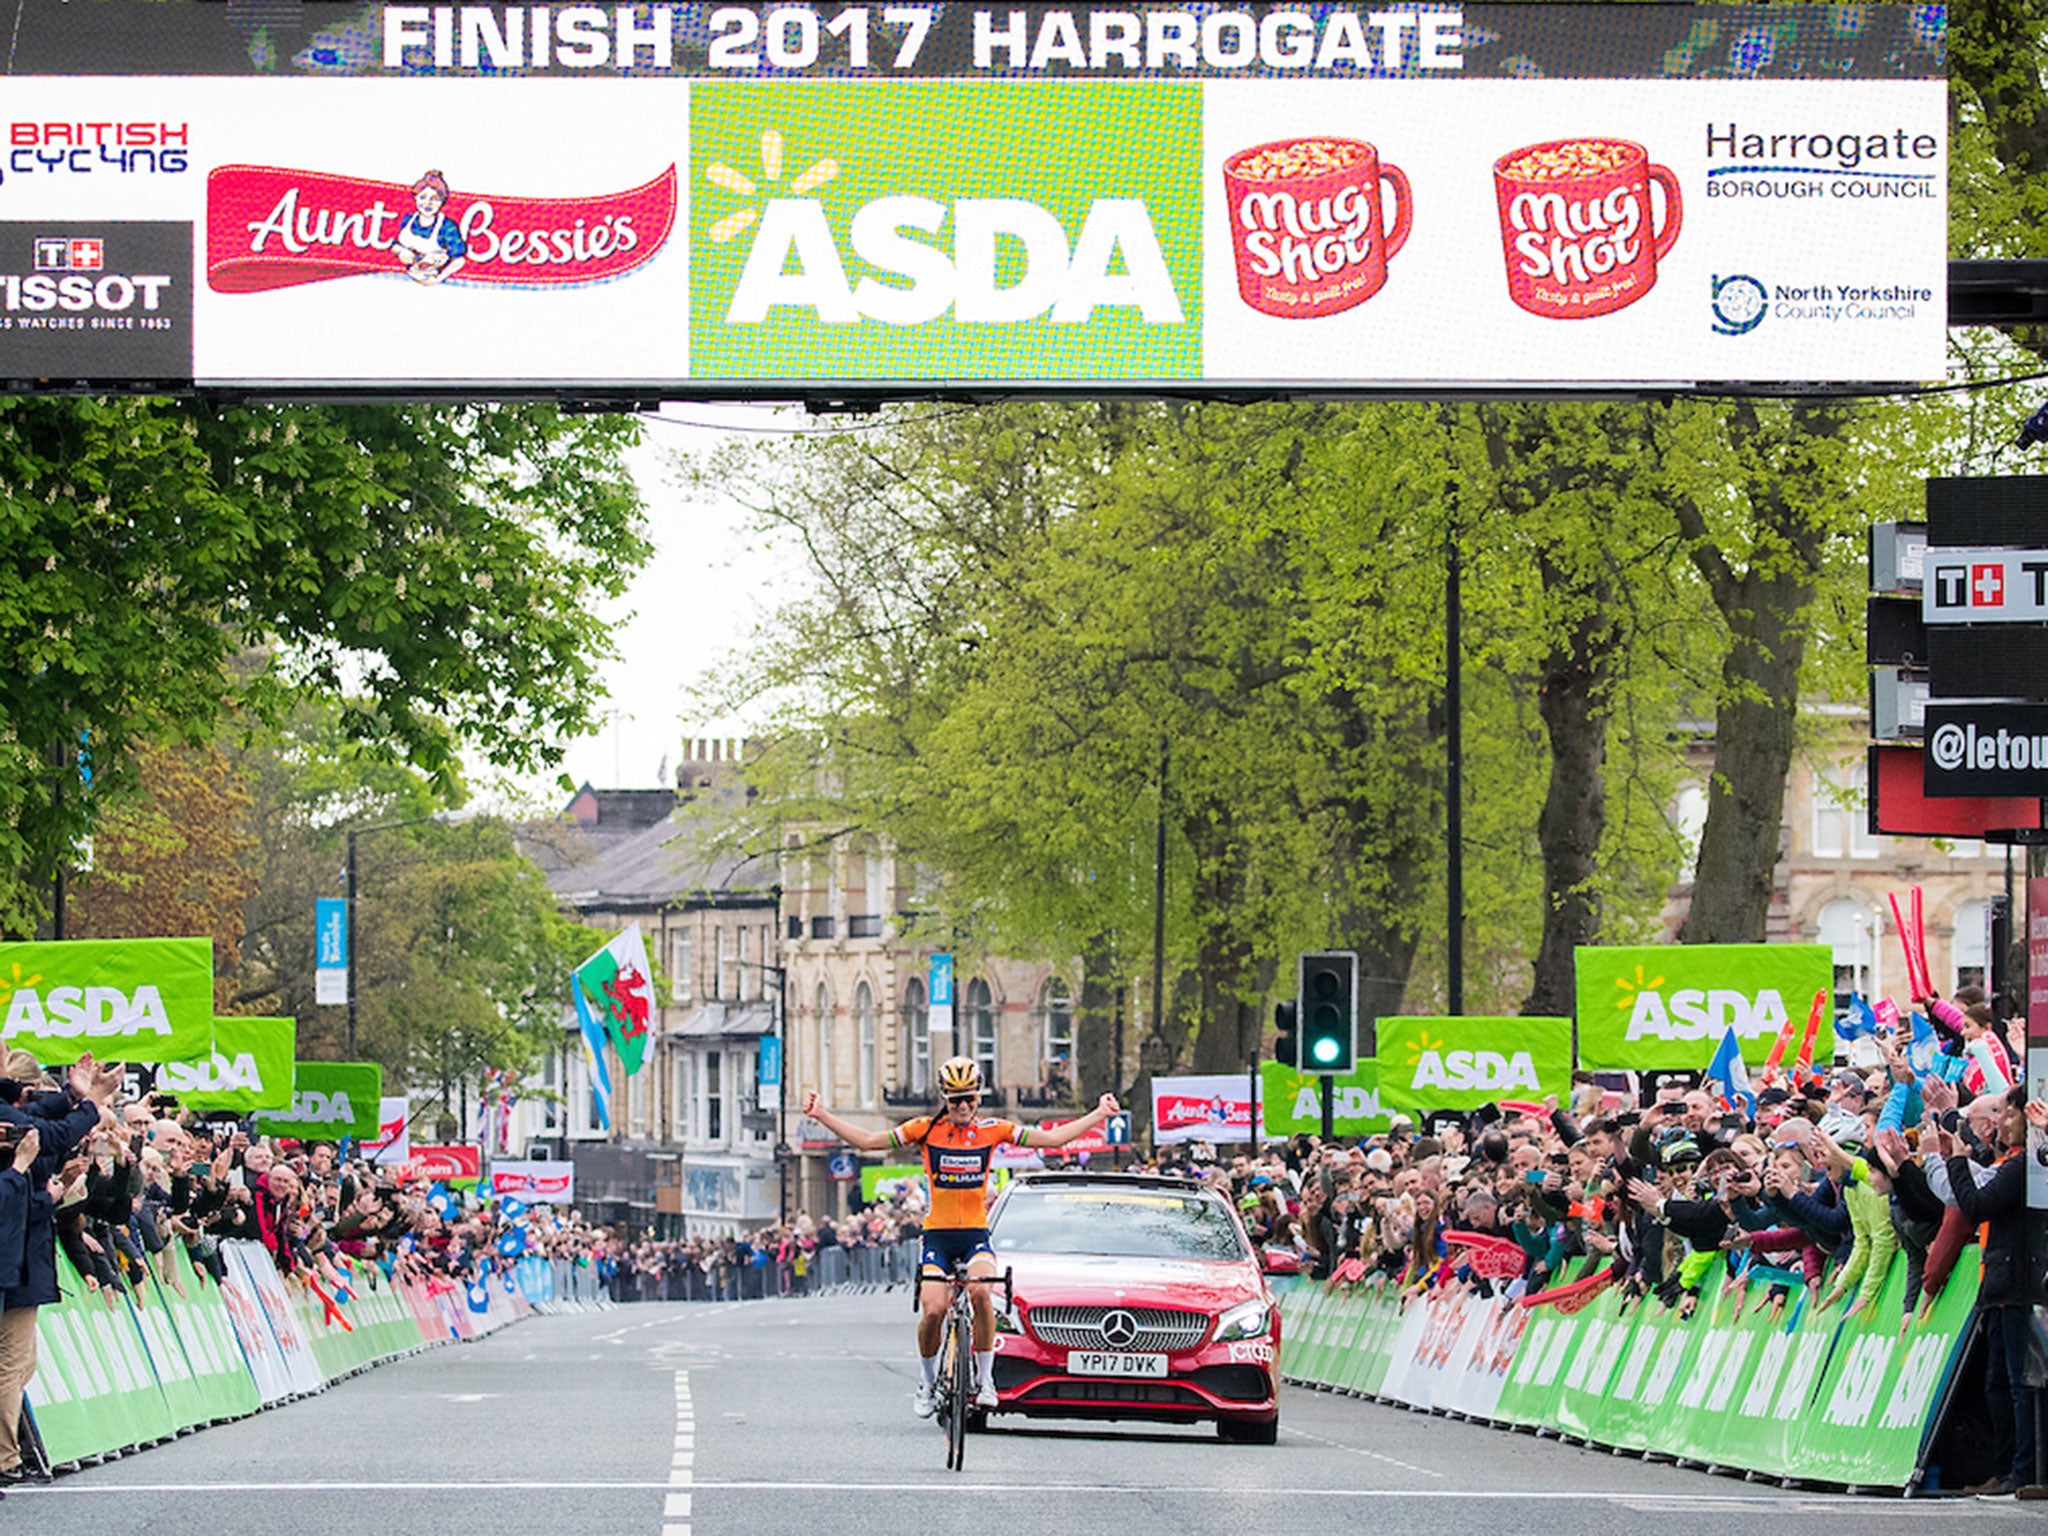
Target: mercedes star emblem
[(1119, 1329)]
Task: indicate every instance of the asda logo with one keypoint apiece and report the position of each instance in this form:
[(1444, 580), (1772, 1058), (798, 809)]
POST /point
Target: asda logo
[(1348, 1103), (68, 1013), (1696, 1013), (936, 259), (954, 229), (220, 1074), (1486, 1071), (319, 1109)]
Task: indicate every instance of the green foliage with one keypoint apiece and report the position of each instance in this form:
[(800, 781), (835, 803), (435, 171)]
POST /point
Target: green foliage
[(462, 955), (436, 565)]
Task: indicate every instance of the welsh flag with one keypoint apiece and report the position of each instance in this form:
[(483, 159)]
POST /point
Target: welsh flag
[(618, 985)]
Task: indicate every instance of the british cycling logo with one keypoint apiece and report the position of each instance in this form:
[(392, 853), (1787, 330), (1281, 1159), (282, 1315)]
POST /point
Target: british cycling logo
[(1740, 303)]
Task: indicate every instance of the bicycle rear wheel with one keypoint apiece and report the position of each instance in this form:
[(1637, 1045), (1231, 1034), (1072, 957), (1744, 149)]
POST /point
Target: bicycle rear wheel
[(958, 1348)]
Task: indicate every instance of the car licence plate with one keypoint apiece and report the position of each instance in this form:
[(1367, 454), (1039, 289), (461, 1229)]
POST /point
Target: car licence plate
[(1103, 1362)]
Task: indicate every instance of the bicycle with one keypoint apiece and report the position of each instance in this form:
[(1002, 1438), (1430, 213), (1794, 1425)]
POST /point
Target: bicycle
[(954, 1393)]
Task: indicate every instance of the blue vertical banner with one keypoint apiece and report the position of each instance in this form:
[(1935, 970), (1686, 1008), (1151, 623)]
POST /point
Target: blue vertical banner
[(768, 1073), (941, 1010), (330, 950)]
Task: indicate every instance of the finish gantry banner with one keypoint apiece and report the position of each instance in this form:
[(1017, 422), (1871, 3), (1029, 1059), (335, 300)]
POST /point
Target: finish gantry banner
[(794, 199)]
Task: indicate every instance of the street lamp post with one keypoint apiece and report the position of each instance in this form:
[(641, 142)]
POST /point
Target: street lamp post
[(781, 975)]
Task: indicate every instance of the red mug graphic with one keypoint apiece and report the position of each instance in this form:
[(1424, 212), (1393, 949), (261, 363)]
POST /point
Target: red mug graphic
[(1576, 225), (1307, 227)]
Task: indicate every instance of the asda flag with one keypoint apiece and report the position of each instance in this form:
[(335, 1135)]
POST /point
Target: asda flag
[(250, 1068), (330, 1099), (121, 999), (1293, 1101), (1463, 1063), (1667, 1006), (618, 985)]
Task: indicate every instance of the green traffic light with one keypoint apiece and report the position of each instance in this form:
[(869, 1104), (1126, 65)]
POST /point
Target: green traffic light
[(1326, 1049)]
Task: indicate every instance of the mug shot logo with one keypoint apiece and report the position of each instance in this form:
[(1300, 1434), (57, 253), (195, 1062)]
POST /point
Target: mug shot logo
[(268, 227), (1740, 303)]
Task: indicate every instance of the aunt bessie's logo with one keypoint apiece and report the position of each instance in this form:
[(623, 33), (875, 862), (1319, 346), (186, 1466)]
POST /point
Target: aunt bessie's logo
[(272, 228)]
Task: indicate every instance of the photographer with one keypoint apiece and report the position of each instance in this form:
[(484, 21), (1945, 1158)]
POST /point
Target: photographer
[(61, 1119)]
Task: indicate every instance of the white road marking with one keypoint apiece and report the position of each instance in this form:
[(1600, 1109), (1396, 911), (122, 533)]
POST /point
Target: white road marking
[(676, 1512), (1919, 1509), (1357, 1450)]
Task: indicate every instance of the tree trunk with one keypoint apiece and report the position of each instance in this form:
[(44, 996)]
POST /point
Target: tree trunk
[(1096, 1069), (1753, 737), (1573, 677), (1766, 608)]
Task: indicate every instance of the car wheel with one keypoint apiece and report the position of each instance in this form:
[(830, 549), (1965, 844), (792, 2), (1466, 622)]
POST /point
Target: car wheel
[(1249, 1431)]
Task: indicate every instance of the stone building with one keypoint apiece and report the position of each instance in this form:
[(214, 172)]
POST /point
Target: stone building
[(689, 1146), (859, 1010)]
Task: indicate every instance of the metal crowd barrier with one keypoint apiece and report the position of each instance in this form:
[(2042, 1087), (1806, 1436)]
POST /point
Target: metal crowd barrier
[(823, 1271)]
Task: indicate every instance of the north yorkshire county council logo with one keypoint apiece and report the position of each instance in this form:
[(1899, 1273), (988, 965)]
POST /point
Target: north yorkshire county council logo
[(1739, 305)]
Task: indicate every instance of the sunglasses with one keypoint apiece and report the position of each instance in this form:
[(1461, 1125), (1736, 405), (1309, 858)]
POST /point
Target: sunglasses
[(962, 1098)]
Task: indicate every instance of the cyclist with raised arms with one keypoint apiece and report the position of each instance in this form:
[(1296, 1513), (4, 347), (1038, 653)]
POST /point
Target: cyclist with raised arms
[(957, 1147)]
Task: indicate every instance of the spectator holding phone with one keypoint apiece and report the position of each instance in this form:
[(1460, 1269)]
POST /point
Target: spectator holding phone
[(62, 1120)]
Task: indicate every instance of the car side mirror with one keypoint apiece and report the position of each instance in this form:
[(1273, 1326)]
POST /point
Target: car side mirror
[(1277, 1261)]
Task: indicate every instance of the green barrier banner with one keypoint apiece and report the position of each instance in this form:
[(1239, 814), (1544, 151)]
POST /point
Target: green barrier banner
[(250, 1068), (121, 999), (1647, 1007), (1292, 1101), (195, 1309), (95, 1389), (1461, 1064), (330, 1099), (1871, 1406)]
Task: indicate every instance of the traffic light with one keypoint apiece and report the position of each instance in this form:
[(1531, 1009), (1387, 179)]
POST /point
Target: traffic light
[(1287, 1044), (1329, 1012)]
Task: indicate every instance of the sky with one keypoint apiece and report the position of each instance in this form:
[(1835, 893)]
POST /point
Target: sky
[(710, 581)]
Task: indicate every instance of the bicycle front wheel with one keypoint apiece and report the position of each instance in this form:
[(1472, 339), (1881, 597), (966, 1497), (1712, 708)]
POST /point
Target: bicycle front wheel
[(962, 1356)]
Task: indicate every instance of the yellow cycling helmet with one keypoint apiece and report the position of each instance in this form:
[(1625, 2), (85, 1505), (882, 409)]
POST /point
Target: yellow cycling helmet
[(959, 1075)]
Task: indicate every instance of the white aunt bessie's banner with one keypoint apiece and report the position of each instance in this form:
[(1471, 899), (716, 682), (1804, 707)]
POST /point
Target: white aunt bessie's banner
[(747, 198)]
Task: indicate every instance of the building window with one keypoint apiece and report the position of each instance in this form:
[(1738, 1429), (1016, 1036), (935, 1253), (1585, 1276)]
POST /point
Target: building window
[(917, 1036), (685, 1117), (638, 1102), (1852, 931), (718, 942), (981, 1019), (864, 925), (1058, 1007), (821, 927), (872, 872), (825, 1090), (1971, 946), (1689, 820), (551, 1078), (795, 927), (1841, 814), (864, 1016), (739, 980), (679, 965), (714, 1098)]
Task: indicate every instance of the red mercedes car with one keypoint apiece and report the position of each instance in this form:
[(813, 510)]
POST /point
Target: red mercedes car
[(1136, 1297)]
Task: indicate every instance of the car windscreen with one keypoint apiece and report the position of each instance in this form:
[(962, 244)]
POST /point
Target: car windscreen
[(1138, 1223)]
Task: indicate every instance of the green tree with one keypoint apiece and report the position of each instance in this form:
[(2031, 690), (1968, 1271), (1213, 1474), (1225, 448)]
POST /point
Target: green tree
[(436, 565)]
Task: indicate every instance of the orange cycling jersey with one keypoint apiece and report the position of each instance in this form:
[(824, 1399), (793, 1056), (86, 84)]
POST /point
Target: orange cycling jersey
[(956, 1164)]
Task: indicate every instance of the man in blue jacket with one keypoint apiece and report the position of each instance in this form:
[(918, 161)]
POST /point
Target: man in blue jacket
[(61, 1119), (14, 1193)]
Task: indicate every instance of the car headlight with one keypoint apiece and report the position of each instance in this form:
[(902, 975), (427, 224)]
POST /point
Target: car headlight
[(1246, 1321)]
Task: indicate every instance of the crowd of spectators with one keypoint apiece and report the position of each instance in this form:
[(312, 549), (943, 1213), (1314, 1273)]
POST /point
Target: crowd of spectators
[(114, 1180), (1808, 1193), (781, 1259)]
